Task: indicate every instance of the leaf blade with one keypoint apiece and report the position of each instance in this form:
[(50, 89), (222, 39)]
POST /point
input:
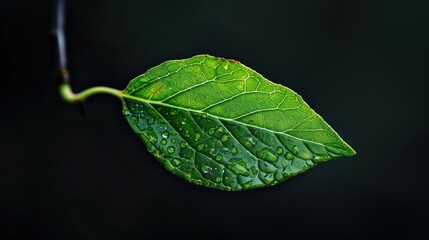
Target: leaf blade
[(224, 94)]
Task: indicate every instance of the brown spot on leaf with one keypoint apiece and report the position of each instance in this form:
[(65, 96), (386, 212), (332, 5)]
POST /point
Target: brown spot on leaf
[(157, 90)]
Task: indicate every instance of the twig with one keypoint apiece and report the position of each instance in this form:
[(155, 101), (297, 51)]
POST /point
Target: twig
[(57, 32)]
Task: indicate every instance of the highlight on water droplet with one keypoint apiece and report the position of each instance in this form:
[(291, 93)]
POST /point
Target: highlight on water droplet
[(205, 168), (165, 134), (279, 150), (224, 138), (163, 142)]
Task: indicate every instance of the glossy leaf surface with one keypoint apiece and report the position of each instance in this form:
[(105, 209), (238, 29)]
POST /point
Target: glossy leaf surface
[(220, 124)]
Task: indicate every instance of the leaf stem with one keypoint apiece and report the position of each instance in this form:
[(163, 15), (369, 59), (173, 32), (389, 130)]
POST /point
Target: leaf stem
[(71, 97)]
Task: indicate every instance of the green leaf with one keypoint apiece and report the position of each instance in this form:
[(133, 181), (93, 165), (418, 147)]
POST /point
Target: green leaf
[(220, 124)]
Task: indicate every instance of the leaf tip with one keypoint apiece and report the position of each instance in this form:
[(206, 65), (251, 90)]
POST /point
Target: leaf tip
[(349, 151)]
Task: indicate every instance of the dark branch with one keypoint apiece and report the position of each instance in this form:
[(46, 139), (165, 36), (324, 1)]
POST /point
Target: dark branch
[(57, 32)]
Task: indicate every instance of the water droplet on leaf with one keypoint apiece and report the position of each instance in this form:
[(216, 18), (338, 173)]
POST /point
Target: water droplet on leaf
[(165, 134), (224, 138), (200, 147), (176, 162), (197, 136), (150, 121), (205, 168), (173, 112), (211, 131), (183, 144), (170, 149), (267, 155), (289, 156)]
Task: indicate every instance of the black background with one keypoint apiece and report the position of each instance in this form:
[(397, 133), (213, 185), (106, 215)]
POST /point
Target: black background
[(362, 65)]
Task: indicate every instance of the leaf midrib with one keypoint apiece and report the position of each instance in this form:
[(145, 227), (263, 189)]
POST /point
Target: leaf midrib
[(151, 102)]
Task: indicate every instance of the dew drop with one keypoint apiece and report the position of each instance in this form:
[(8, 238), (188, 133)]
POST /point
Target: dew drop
[(279, 150), (230, 180), (150, 121), (219, 157), (267, 155), (173, 140), (205, 168), (134, 120), (200, 147), (186, 134), (183, 122), (248, 142), (211, 151), (267, 178), (163, 141), (176, 162), (151, 136), (238, 166), (306, 156), (165, 134), (183, 144), (289, 156), (220, 129), (173, 112), (170, 149), (204, 115), (295, 150), (211, 131), (225, 150), (173, 133), (224, 138), (266, 167), (197, 136), (234, 150), (319, 158)]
